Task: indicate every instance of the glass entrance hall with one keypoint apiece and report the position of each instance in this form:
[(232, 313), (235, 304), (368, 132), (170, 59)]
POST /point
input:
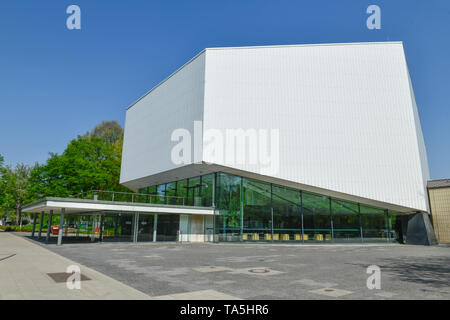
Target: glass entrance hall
[(251, 210)]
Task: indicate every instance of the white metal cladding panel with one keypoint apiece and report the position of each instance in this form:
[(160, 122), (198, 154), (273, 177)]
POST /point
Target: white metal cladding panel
[(174, 104), (344, 113), (421, 143)]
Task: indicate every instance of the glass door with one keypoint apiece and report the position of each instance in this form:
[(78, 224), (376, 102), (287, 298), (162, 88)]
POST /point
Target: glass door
[(145, 227)]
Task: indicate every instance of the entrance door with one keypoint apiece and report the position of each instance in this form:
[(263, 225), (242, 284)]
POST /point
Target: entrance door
[(185, 225), (168, 226), (145, 227), (209, 228)]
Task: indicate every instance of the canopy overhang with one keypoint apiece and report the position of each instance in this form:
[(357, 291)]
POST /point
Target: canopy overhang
[(88, 206)]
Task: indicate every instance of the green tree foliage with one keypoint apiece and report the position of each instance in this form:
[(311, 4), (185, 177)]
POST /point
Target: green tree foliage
[(90, 162), (109, 131), (15, 185), (2, 187)]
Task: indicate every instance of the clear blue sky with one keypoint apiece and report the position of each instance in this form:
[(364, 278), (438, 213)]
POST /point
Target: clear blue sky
[(56, 83)]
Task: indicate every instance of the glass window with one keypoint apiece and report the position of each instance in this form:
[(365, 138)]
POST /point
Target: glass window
[(145, 227), (373, 224), (144, 197), (167, 227), (397, 225), (118, 227), (207, 190), (257, 221), (194, 188), (345, 221), (152, 194), (182, 191), (171, 193), (316, 217), (287, 222), (161, 194), (228, 207)]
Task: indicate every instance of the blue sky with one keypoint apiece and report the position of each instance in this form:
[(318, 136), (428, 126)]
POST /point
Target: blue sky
[(57, 83)]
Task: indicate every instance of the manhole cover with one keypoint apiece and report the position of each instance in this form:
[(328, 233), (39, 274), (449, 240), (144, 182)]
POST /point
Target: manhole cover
[(63, 276), (258, 270)]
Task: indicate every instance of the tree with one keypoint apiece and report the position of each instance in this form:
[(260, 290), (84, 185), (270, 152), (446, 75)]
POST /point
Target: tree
[(90, 162), (15, 186), (109, 131), (2, 188)]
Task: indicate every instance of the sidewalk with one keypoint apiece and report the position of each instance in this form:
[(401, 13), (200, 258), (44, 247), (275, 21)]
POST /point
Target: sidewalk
[(23, 275)]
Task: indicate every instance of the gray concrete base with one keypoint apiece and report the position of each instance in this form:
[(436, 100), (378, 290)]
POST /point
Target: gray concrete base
[(420, 231)]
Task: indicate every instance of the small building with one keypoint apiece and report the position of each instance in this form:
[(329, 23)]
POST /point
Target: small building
[(439, 193)]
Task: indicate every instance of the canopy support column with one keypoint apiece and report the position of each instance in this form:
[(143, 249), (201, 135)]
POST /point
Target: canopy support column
[(94, 222), (40, 225), (101, 228), (34, 224), (155, 227), (61, 225), (50, 216)]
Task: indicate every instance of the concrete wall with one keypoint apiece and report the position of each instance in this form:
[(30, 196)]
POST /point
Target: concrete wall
[(197, 229)]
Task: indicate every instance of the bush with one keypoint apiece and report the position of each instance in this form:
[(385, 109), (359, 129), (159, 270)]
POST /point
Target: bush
[(26, 228)]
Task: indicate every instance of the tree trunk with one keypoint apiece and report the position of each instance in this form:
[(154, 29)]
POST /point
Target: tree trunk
[(19, 215)]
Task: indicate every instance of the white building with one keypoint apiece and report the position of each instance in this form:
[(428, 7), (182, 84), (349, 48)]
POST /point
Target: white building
[(343, 118), (283, 143)]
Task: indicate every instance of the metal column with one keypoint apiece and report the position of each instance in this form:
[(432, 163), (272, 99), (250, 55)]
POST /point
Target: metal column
[(155, 227), (34, 224), (101, 228), (301, 214), (49, 225), (61, 226), (135, 227), (94, 220), (40, 225), (241, 195), (331, 219)]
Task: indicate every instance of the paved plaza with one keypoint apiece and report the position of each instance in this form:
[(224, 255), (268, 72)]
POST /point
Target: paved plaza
[(267, 271), (24, 274)]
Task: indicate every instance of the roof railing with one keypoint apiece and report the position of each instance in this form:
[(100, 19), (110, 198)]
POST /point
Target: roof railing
[(119, 196)]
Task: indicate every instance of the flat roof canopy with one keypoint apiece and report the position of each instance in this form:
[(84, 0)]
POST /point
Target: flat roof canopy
[(86, 206)]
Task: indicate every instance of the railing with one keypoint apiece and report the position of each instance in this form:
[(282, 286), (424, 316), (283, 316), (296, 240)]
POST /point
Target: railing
[(118, 196)]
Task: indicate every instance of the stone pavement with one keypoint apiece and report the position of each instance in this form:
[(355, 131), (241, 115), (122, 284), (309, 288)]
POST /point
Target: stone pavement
[(269, 271), (23, 275)]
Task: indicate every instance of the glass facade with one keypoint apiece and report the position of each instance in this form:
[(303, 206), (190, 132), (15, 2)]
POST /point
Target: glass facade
[(118, 227), (196, 191), (251, 210)]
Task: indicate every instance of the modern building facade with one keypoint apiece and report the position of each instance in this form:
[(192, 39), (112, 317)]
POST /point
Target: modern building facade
[(439, 192), (301, 143)]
